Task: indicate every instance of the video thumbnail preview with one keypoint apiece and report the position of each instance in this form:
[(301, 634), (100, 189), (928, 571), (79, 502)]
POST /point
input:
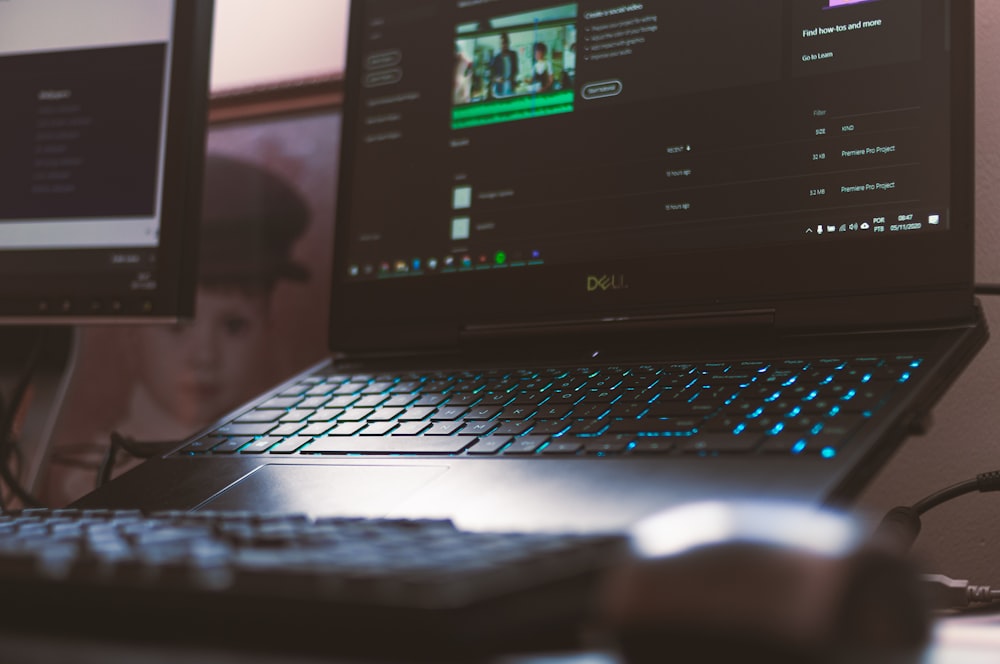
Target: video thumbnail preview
[(515, 67)]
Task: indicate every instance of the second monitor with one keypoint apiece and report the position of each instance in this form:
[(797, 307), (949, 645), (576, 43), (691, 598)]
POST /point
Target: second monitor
[(103, 132)]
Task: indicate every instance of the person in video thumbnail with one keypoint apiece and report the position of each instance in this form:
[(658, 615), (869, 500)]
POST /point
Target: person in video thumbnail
[(569, 66), (504, 69), (462, 93), (541, 69)]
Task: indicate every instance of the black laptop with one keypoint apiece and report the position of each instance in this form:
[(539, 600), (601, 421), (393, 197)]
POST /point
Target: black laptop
[(594, 259)]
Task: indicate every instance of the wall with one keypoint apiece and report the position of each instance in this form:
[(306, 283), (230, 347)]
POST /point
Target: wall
[(258, 42), (962, 538)]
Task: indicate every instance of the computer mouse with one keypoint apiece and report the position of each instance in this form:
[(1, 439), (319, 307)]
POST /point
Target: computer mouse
[(762, 582)]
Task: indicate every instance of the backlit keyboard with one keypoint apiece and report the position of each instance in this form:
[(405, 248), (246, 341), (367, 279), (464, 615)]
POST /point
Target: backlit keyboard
[(790, 406)]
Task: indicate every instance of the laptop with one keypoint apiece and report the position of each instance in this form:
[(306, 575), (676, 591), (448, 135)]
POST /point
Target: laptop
[(593, 260)]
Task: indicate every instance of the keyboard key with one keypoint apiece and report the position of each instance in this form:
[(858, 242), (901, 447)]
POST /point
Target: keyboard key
[(317, 429), (245, 429), (842, 426), (378, 429), (289, 429), (391, 445), (564, 448), (785, 443), (514, 428), (489, 445), (348, 389), (549, 427), (450, 413), (260, 445), (720, 444), (529, 399), (326, 415), (289, 445), (553, 411), (654, 425), (482, 413), (823, 445), (526, 445), (399, 400), (585, 427), (605, 445), (280, 403), (462, 399), (590, 411), (442, 428), (652, 447), (565, 398), (385, 414), (319, 390), (313, 403), (410, 428), (430, 400), (417, 413), (376, 388), (405, 387), (232, 445), (478, 428), (628, 410), (343, 401), (516, 412), (370, 400), (297, 415), (355, 414), (496, 399), (342, 429), (201, 446)]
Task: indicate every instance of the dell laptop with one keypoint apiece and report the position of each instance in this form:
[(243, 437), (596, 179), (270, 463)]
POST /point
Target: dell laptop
[(594, 259)]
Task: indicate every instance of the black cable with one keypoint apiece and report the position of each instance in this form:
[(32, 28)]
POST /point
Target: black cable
[(901, 526), (138, 449), (984, 482), (987, 289), (108, 462)]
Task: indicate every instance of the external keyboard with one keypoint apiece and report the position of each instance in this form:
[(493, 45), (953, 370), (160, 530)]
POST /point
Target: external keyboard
[(373, 586), (788, 406)]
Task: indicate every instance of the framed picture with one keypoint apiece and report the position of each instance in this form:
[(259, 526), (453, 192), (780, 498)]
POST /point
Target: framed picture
[(263, 297)]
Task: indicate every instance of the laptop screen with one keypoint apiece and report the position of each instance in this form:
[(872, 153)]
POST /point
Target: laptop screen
[(509, 136)]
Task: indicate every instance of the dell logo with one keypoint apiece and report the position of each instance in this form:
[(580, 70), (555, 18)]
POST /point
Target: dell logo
[(606, 283)]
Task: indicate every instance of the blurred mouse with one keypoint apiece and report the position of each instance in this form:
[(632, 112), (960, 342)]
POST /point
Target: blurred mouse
[(763, 582)]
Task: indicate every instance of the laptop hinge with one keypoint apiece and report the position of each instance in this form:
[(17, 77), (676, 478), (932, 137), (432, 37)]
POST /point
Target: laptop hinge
[(728, 320)]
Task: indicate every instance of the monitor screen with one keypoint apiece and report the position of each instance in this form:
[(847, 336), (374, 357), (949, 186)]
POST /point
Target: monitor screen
[(102, 127), (526, 133)]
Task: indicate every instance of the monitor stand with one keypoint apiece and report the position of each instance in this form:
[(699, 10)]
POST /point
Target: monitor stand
[(49, 381)]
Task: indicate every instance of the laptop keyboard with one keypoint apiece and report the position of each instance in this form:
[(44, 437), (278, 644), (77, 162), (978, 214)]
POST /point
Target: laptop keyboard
[(793, 406), (315, 583)]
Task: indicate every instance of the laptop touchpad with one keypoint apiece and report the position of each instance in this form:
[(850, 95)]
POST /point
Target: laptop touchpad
[(355, 490)]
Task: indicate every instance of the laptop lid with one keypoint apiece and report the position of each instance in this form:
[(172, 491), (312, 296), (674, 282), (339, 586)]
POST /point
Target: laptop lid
[(527, 165)]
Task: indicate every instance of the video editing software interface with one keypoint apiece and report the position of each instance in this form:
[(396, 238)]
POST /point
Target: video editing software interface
[(83, 130), (499, 134)]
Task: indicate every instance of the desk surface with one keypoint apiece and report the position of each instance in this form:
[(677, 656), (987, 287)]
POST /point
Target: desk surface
[(973, 639)]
